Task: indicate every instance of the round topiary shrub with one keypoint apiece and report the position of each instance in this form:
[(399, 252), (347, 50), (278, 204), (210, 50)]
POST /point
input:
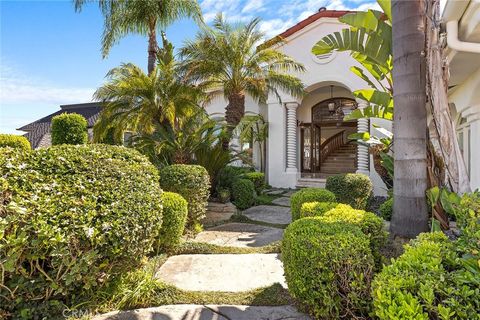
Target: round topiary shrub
[(175, 211), (73, 217), (243, 193), (308, 195), (386, 209), (69, 128), (351, 188), (14, 141), (258, 179), (328, 268), (192, 182), (370, 224), (228, 175), (315, 209)]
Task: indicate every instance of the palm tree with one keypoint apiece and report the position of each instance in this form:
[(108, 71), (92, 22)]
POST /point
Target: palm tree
[(140, 103), (227, 59), (145, 17), (410, 180)]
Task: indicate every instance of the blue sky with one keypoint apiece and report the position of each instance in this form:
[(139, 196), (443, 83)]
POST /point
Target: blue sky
[(50, 55)]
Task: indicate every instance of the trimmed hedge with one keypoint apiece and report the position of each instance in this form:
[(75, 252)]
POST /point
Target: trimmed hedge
[(69, 128), (14, 141), (351, 188), (243, 193), (193, 183), (429, 281), (308, 195), (386, 209), (315, 209), (258, 179), (175, 211), (370, 224), (71, 218), (328, 268)]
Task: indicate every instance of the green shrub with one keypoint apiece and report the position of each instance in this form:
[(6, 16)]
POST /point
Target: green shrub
[(308, 195), (315, 209), (351, 188), (243, 193), (223, 195), (328, 268), (386, 209), (175, 211), (427, 282), (229, 174), (193, 183), (71, 218), (370, 224), (14, 141), (258, 179), (69, 128)]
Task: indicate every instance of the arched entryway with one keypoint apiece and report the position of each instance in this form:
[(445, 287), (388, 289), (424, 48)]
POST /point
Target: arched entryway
[(325, 148)]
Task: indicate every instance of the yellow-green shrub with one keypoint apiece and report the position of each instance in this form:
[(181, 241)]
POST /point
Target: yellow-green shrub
[(351, 188), (258, 179), (14, 141), (69, 128), (308, 195), (328, 268), (315, 209)]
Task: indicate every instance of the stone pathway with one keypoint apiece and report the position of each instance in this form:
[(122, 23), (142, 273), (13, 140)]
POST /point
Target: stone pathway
[(282, 201), (222, 272), (240, 235), (270, 214), (218, 212), (206, 312)]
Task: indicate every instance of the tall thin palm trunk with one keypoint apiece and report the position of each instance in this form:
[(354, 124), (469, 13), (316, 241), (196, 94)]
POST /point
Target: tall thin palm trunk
[(152, 48), (410, 215)]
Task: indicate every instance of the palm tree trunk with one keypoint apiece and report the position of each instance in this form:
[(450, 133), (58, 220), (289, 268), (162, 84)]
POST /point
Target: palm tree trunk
[(152, 48), (410, 215), (234, 112)]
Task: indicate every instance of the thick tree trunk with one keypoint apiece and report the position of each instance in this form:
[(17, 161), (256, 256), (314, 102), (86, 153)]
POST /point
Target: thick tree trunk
[(410, 215), (152, 49), (441, 128), (234, 112)]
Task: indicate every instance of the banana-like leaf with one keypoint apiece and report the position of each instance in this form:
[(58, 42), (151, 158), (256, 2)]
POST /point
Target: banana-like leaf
[(386, 8), (359, 72), (379, 98), (371, 111), (361, 19)]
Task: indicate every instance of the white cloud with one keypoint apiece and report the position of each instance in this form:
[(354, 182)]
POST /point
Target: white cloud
[(17, 88)]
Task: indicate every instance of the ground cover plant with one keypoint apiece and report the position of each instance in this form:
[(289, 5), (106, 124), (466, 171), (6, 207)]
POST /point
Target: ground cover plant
[(71, 220)]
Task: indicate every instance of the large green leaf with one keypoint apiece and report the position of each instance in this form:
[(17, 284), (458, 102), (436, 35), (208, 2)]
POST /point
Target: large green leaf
[(386, 8), (361, 19), (380, 98)]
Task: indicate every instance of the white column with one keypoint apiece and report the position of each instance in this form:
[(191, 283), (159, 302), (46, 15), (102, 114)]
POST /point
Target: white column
[(362, 151), (291, 136), (474, 151)]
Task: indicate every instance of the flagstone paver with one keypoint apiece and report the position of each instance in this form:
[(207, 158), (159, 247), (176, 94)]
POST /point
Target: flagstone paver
[(240, 235), (206, 312), (282, 201), (275, 192), (222, 272), (218, 212), (289, 193), (270, 214)]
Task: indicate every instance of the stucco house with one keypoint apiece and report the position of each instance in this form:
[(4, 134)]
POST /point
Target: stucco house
[(308, 137)]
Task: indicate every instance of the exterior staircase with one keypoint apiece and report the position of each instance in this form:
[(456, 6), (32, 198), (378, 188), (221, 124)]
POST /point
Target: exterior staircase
[(341, 160)]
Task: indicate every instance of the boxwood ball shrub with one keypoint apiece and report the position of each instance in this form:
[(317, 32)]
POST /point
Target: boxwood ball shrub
[(308, 195), (370, 224), (71, 218), (328, 268), (315, 209), (386, 209), (258, 179), (69, 128), (193, 183), (428, 281), (14, 141), (243, 193), (351, 188), (175, 210), (229, 174)]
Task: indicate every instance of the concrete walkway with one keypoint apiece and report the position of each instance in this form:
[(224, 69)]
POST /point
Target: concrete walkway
[(222, 272), (206, 312), (240, 235)]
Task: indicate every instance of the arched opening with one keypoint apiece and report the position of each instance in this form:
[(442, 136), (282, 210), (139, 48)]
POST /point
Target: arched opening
[(325, 147)]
